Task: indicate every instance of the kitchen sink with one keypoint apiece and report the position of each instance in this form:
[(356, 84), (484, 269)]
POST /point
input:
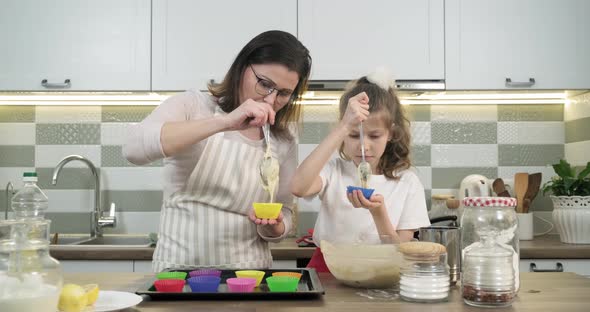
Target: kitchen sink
[(108, 240)]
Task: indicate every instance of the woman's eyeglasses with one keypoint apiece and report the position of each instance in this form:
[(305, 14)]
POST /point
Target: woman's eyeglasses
[(266, 87)]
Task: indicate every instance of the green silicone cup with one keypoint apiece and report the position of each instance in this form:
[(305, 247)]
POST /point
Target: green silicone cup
[(282, 283), (171, 275)]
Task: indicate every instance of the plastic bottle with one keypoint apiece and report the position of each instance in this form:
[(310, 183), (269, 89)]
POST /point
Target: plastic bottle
[(30, 202)]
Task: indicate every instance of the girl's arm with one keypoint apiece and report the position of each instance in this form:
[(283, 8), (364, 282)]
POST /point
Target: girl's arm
[(307, 181)]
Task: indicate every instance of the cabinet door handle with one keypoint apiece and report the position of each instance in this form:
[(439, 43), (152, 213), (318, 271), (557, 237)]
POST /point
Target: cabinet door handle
[(520, 84), (558, 268), (56, 85)]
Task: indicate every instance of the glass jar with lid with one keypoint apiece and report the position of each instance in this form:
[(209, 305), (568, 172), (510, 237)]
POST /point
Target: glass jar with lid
[(494, 219), (488, 275), (30, 279), (424, 273)]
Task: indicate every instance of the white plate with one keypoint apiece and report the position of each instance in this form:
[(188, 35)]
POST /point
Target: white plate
[(115, 300)]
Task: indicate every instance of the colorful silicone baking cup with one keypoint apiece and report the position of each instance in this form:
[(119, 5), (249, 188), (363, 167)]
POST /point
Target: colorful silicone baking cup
[(171, 275), (291, 274), (169, 285), (202, 272), (204, 283), (241, 284), (282, 283), (367, 192), (267, 210), (258, 275)]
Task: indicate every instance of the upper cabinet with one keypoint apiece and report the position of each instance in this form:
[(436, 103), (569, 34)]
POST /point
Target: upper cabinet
[(349, 38), (196, 41), (524, 44), (70, 45)]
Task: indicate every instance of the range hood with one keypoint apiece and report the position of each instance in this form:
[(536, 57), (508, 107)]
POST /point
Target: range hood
[(402, 85)]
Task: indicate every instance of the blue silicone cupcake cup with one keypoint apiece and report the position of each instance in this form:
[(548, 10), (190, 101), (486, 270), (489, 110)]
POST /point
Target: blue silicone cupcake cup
[(367, 192), (204, 283)]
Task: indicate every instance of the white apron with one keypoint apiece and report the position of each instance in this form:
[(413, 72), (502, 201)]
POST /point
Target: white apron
[(206, 224)]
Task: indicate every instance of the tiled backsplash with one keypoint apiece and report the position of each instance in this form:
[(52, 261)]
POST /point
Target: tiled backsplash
[(449, 143)]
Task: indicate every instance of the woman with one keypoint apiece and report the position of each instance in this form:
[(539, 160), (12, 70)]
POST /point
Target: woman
[(212, 144)]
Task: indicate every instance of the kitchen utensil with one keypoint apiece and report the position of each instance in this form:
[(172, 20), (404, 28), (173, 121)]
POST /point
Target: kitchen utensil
[(267, 210), (241, 284), (269, 166), (453, 203), (521, 183), (171, 275), (258, 275), (204, 272), (450, 237), (169, 285), (204, 283), (282, 283), (364, 168), (532, 189), (367, 192), (500, 188), (474, 185)]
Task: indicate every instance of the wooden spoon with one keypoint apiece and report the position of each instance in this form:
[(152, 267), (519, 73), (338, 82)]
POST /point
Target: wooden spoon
[(500, 188), (521, 183), (532, 189)]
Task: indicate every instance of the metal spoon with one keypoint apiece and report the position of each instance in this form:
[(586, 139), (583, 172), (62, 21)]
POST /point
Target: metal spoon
[(268, 166), (364, 168)]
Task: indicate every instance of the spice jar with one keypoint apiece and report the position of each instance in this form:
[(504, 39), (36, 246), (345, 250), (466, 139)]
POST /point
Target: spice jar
[(494, 218), (488, 275), (424, 273)]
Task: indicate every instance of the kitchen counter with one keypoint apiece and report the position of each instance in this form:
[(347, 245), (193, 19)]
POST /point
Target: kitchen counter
[(539, 292), (542, 247)]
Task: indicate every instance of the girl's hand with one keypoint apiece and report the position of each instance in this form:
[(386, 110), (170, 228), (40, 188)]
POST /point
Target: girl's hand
[(254, 219), (250, 114), (356, 111), (375, 204)]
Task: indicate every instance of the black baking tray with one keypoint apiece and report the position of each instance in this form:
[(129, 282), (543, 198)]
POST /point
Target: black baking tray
[(309, 287)]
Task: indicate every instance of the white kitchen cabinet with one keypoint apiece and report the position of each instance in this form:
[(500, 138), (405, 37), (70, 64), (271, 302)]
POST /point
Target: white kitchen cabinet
[(196, 41), (537, 44), (70, 266), (578, 266), (349, 38), (70, 45)]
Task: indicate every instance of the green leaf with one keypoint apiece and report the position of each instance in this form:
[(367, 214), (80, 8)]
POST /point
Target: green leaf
[(568, 185), (563, 169), (584, 172)]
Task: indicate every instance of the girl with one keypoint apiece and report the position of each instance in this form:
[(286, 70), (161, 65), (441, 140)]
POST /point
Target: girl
[(398, 206)]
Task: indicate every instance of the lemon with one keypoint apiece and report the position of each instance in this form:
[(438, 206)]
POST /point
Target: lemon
[(72, 298), (91, 293)]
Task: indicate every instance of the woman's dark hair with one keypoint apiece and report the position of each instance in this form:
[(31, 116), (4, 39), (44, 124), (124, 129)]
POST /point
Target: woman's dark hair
[(271, 47), (396, 156)]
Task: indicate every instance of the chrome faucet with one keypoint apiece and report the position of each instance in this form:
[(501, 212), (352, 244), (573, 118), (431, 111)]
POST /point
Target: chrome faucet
[(9, 192), (98, 221)]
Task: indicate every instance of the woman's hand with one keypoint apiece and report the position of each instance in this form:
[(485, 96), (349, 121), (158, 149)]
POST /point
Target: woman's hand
[(254, 219), (356, 111), (375, 204), (250, 114)]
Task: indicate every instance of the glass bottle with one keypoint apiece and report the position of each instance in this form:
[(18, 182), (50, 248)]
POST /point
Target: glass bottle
[(424, 272), (30, 279), (29, 202), (439, 205), (492, 217)]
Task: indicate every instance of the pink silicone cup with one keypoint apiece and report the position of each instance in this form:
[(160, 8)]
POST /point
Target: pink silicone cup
[(203, 272), (241, 284), (169, 285)]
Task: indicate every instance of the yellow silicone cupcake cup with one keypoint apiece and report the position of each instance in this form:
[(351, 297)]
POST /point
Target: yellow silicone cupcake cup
[(267, 210), (258, 275)]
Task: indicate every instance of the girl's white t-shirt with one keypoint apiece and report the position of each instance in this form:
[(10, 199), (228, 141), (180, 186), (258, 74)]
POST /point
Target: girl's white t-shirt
[(338, 221)]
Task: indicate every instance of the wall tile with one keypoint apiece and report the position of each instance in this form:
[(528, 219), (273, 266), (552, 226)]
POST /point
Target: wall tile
[(15, 113), (68, 114), (461, 155), (464, 133), (48, 156), (68, 179), (420, 155), (577, 130), (320, 113), (114, 133), (577, 153), (69, 222), (539, 132), (578, 107), (17, 133), (425, 176), (464, 113), (133, 201), (530, 155), (14, 175), (418, 112), (112, 156), (530, 112), (421, 133), (125, 113), (132, 178), (69, 134), (17, 155), (314, 132), (450, 178)]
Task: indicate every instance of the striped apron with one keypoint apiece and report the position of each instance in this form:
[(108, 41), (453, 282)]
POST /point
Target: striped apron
[(206, 224)]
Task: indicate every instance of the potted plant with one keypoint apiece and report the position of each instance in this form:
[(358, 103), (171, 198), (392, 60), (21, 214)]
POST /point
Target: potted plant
[(570, 194)]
